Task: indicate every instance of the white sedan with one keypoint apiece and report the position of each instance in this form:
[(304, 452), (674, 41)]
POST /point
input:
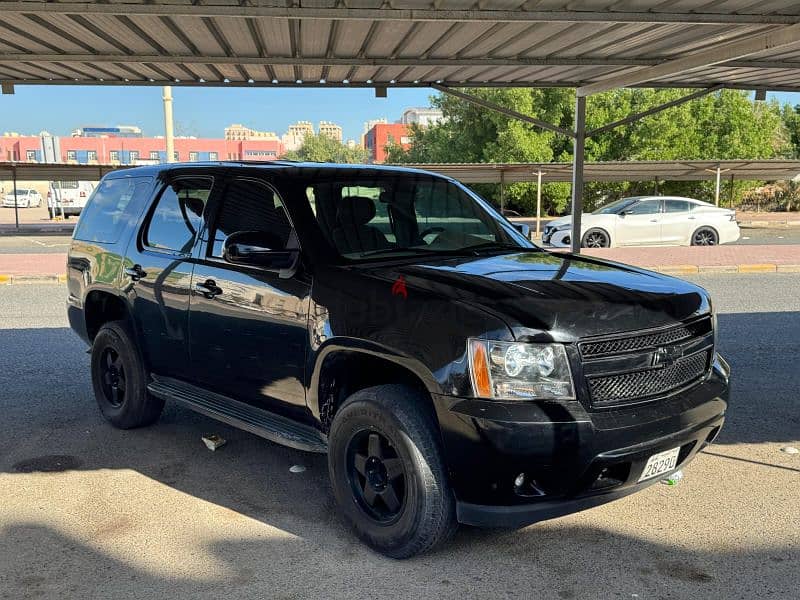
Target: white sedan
[(25, 198), (649, 221)]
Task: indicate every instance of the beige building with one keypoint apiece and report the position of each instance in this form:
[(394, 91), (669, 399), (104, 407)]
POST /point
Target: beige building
[(331, 130), (294, 136), (239, 133)]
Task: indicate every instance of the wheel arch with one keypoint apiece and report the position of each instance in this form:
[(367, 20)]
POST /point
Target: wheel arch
[(342, 370), (101, 307)]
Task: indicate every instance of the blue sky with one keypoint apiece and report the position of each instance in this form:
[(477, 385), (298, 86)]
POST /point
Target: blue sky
[(205, 112)]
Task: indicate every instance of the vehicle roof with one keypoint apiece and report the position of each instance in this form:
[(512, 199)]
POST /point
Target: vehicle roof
[(275, 166), (694, 200)]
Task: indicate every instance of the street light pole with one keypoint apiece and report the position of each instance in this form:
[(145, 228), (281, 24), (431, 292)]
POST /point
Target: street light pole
[(168, 125)]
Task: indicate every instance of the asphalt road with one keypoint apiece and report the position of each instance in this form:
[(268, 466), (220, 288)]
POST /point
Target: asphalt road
[(92, 512)]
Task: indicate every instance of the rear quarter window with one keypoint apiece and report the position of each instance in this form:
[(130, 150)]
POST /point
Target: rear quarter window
[(111, 208)]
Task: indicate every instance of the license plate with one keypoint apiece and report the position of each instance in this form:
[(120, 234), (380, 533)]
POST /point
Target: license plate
[(660, 463)]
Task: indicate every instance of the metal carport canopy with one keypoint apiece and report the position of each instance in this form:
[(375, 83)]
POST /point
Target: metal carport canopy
[(655, 170), (592, 45)]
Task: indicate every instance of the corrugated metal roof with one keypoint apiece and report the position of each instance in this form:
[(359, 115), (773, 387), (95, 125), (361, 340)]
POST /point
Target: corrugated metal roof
[(401, 43), (690, 170)]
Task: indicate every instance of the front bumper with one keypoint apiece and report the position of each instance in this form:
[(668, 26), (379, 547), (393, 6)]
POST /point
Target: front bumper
[(571, 458)]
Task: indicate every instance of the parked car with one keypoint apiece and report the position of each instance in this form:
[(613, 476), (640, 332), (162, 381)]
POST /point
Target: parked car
[(649, 221), (452, 371), (68, 197), (25, 198)]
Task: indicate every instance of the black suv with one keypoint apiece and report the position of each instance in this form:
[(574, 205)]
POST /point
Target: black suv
[(451, 370)]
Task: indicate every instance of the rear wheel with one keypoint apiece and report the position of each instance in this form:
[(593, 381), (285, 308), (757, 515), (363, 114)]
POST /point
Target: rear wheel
[(595, 238), (387, 471), (119, 379), (705, 236)]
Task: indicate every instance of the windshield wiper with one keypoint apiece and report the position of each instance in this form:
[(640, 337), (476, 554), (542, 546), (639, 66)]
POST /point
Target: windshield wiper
[(393, 250)]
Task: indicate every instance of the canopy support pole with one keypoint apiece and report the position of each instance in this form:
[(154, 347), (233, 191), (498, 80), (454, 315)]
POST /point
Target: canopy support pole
[(538, 202), (502, 191), (579, 157), (716, 187), (169, 134), (16, 198)]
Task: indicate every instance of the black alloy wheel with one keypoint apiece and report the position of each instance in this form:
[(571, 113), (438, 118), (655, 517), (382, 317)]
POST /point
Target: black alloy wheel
[(704, 236), (377, 476), (595, 238), (113, 377)]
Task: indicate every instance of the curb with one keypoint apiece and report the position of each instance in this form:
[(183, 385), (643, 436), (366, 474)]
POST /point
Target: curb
[(54, 278), (715, 269)]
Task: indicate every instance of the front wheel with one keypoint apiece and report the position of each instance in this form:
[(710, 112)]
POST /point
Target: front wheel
[(705, 236), (595, 238), (387, 471)]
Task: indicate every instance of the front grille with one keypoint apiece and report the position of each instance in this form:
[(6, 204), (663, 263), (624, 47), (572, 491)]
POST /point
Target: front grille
[(644, 341), (641, 385)]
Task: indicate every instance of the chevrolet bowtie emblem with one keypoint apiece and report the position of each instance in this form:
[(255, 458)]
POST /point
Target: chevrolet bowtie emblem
[(667, 356)]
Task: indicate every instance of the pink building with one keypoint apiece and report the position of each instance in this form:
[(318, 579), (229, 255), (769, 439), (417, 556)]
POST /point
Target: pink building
[(132, 151)]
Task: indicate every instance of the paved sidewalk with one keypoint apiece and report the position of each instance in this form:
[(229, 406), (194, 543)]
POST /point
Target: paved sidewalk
[(714, 259), (41, 268)]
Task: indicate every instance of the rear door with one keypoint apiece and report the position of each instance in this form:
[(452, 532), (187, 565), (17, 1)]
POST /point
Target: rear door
[(675, 221), (640, 224), (249, 326), (158, 271)]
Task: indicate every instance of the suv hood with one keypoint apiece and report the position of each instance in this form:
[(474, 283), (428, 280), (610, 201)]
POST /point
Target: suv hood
[(563, 297)]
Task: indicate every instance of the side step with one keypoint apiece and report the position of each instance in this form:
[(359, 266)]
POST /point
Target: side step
[(275, 428)]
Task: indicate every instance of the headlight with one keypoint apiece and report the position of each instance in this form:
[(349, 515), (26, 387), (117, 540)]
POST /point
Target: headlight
[(516, 371)]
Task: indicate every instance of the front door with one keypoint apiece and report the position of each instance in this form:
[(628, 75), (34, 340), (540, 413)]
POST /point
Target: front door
[(248, 326), (640, 224), (158, 272)]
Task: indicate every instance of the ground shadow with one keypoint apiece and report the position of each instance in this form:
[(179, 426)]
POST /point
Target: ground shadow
[(52, 425)]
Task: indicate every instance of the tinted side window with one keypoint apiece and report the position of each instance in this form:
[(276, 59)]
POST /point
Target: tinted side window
[(178, 214), (645, 207), (249, 205), (112, 208), (672, 206)]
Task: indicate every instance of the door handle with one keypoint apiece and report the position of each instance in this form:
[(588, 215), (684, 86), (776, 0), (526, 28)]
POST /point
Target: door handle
[(654, 220), (209, 288), (692, 218), (135, 272)]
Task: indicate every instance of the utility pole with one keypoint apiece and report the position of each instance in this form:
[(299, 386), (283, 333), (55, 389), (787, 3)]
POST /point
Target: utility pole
[(168, 125)]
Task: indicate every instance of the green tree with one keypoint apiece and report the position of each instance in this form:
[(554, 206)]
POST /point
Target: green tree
[(791, 120), (723, 125), (322, 148)]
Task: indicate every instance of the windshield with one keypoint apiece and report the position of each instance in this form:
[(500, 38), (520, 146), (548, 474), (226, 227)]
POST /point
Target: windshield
[(615, 207), (406, 215)]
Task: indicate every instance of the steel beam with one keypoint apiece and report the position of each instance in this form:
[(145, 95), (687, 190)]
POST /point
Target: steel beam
[(501, 109), (716, 54), (579, 156), (638, 116), (243, 11)]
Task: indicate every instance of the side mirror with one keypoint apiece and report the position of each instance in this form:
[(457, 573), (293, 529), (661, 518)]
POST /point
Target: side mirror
[(261, 249), (523, 229)]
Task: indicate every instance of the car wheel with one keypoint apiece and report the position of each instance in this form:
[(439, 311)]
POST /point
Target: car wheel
[(119, 379), (705, 236), (387, 471), (595, 238)]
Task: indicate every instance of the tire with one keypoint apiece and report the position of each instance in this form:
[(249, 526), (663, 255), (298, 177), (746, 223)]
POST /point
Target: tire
[(120, 379), (595, 238), (705, 236), (387, 471)]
